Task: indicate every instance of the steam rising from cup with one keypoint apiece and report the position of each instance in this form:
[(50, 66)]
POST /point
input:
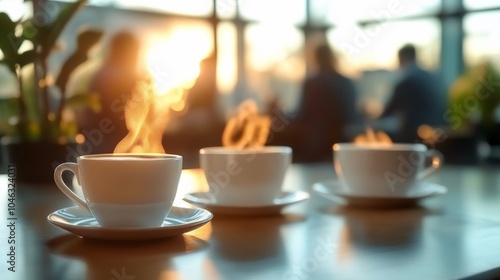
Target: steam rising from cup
[(371, 137), (247, 129), (146, 116)]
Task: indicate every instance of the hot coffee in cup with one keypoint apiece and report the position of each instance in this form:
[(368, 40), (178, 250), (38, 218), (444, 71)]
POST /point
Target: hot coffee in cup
[(383, 170), (124, 190), (245, 177)]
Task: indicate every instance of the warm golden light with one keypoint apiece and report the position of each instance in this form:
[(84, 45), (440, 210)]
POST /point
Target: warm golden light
[(192, 180), (173, 63), (173, 59), (172, 67), (247, 129), (428, 134), (174, 100), (371, 137), (79, 138), (147, 114), (226, 57), (145, 122)]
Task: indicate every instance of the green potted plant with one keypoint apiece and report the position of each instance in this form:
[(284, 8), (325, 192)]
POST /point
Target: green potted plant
[(473, 100), (36, 134), (474, 97)]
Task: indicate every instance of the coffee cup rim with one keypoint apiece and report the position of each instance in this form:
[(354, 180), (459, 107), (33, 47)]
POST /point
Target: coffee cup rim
[(232, 150), (374, 147), (146, 156)]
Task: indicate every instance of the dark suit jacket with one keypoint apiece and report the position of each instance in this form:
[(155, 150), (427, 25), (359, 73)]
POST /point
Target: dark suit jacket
[(418, 98), (328, 104)]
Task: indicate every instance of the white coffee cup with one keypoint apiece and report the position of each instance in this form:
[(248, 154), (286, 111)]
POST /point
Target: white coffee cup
[(124, 190), (245, 177), (383, 171)]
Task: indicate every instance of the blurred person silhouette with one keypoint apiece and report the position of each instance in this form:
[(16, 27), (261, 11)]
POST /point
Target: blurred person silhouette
[(202, 97), (113, 83), (201, 124), (202, 94), (418, 98), (328, 105), (202, 114)]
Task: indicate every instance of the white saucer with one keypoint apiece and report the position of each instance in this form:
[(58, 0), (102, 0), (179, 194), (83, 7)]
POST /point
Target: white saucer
[(333, 191), (80, 222), (204, 200)]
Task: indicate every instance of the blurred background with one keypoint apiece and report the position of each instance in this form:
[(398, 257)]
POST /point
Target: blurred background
[(222, 52)]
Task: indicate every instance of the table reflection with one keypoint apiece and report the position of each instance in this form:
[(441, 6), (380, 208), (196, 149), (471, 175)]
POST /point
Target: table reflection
[(142, 260), (451, 236), (383, 228), (250, 239)]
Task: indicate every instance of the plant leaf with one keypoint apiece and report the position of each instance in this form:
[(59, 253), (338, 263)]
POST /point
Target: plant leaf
[(52, 31), (9, 42), (26, 58), (6, 24)]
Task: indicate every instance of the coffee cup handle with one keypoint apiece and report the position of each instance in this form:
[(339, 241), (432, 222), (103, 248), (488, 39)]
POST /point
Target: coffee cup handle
[(436, 159), (70, 166)]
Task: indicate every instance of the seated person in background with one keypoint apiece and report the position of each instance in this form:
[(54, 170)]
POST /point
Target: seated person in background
[(328, 105), (418, 98), (202, 97), (113, 82)]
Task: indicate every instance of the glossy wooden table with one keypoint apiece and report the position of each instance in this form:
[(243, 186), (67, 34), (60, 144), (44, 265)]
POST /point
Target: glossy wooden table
[(453, 236)]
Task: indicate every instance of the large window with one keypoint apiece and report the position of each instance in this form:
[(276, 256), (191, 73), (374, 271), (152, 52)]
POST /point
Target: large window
[(170, 50), (341, 12), (184, 7), (275, 11), (481, 4), (375, 46), (227, 58), (263, 46), (482, 38), (275, 67), (369, 54)]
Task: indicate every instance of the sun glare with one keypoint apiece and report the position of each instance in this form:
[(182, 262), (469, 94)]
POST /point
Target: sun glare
[(171, 67), (174, 61)]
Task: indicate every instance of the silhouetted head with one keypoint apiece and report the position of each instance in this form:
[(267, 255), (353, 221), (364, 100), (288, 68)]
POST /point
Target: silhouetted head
[(124, 49), (208, 63), (88, 38), (325, 58), (407, 55)]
